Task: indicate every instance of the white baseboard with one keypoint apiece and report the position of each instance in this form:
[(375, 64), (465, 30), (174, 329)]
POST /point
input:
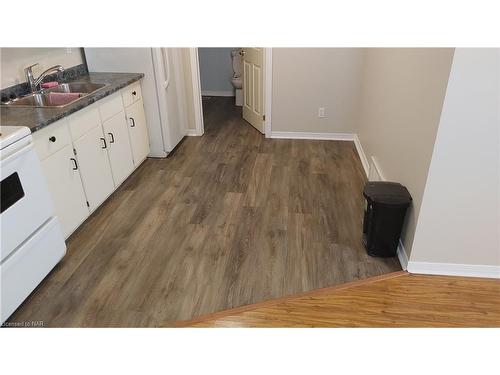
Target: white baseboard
[(193, 133), (403, 258), (451, 269), (217, 93), (362, 155), (375, 173), (318, 136)]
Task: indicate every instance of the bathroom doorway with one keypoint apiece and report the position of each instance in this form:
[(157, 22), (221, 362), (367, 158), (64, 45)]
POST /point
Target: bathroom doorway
[(217, 76), (235, 80)]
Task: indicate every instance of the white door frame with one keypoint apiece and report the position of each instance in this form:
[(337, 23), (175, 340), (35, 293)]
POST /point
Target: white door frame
[(198, 107), (196, 84), (268, 90)]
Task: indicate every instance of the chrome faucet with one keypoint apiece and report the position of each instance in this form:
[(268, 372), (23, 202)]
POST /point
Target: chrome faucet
[(34, 83)]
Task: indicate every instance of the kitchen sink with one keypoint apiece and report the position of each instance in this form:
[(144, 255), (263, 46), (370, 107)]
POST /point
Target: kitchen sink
[(76, 87), (55, 97)]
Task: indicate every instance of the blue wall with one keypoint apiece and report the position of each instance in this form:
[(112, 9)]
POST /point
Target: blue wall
[(216, 69)]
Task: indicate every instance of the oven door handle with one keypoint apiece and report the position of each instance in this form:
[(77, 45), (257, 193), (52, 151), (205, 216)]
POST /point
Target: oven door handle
[(16, 154)]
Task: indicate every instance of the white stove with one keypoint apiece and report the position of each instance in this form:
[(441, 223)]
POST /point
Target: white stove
[(11, 134), (31, 239)]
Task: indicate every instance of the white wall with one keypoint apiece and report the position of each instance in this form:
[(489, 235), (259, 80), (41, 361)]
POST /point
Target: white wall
[(305, 79), (399, 110), (459, 219), (14, 60), (216, 70)]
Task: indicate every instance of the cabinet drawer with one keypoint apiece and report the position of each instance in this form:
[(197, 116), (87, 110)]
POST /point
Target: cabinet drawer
[(131, 94), (51, 139), (110, 106), (83, 121)]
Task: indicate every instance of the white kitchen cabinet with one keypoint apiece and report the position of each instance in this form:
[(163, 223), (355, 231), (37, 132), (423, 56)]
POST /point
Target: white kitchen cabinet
[(88, 154), (92, 156), (65, 185), (138, 131), (120, 153)]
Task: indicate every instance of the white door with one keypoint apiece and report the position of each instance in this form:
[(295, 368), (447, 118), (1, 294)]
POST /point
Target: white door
[(138, 131), (120, 154), (253, 89), (93, 161), (65, 185)]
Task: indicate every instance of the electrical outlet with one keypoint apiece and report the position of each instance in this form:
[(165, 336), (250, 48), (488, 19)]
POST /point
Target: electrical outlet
[(321, 112)]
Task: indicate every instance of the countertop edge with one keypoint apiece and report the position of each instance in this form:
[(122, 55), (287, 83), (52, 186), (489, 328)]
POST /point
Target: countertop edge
[(53, 117)]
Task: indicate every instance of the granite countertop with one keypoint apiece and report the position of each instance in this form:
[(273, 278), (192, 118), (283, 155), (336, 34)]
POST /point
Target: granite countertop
[(38, 118)]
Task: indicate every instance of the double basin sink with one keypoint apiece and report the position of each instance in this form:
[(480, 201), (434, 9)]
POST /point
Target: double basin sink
[(58, 96)]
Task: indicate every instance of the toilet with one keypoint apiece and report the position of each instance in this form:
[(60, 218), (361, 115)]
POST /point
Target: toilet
[(237, 79)]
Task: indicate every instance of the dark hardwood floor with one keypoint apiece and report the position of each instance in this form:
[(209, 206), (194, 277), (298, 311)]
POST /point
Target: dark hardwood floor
[(230, 219)]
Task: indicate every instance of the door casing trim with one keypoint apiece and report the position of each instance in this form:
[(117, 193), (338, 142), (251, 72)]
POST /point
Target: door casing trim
[(196, 86)]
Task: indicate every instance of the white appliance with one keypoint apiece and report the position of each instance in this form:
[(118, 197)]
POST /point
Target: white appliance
[(31, 239), (162, 89)]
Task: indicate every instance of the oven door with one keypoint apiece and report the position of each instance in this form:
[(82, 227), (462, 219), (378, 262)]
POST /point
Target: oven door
[(25, 200)]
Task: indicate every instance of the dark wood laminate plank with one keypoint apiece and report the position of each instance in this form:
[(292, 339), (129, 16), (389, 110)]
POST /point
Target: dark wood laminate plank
[(230, 219)]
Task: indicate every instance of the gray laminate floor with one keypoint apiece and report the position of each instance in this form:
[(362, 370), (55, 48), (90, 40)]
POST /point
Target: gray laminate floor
[(231, 218)]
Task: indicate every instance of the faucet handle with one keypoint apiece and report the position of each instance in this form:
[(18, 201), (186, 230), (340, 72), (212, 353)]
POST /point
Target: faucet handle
[(30, 67)]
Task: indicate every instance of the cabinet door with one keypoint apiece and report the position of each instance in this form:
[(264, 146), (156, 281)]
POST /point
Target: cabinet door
[(138, 131), (65, 185), (120, 154), (92, 156)]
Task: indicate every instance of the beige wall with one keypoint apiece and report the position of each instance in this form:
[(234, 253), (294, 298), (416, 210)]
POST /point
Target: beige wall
[(305, 79), (14, 60), (402, 96)]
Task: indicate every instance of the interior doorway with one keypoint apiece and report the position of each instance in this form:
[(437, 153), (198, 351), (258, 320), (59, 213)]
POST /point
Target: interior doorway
[(242, 76), (220, 71)]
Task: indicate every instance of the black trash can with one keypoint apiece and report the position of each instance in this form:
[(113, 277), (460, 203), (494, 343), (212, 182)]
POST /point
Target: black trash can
[(385, 209)]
